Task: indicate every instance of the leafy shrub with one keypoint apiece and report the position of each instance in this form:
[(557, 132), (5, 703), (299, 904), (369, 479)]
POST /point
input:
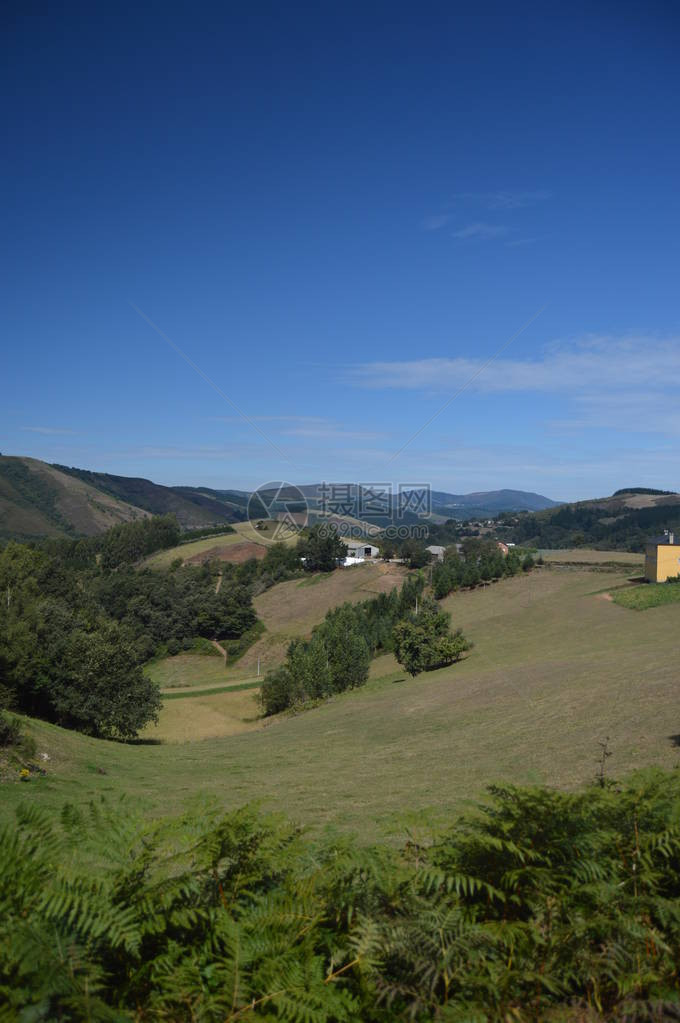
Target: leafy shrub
[(237, 647), (424, 642), (10, 729), (541, 905)]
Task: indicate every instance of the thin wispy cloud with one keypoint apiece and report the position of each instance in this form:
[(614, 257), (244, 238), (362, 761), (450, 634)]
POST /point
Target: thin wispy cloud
[(50, 431), (650, 411), (504, 200), (436, 222), (272, 419), (623, 383), (482, 230), (333, 433), (512, 200), (310, 427), (192, 452), (602, 362)]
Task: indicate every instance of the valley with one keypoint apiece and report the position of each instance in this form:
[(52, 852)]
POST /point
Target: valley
[(529, 704)]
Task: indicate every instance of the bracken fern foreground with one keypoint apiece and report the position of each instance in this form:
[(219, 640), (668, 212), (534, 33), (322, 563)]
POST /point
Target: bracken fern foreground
[(541, 905)]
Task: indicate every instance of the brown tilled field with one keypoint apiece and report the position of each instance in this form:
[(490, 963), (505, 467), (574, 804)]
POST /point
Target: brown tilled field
[(235, 553)]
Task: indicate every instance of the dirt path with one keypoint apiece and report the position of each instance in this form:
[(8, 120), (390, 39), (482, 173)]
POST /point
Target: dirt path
[(218, 646), (218, 584)]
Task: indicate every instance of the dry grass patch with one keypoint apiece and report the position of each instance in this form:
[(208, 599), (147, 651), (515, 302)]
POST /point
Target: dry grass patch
[(293, 608), (234, 553), (584, 556), (187, 551), (206, 716)]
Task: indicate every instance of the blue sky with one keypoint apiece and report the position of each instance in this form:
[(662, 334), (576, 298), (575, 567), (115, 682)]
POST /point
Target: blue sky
[(339, 215)]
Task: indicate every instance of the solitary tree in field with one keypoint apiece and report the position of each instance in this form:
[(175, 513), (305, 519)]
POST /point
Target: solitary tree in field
[(425, 642)]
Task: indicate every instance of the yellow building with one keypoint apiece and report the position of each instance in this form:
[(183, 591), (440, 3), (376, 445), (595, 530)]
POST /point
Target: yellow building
[(662, 558)]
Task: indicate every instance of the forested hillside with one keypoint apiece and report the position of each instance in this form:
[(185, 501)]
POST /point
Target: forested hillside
[(38, 499), (192, 506), (78, 620), (621, 522)]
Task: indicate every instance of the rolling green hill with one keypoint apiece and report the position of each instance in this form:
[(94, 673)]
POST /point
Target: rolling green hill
[(37, 499), (623, 521), (556, 668), (193, 506)]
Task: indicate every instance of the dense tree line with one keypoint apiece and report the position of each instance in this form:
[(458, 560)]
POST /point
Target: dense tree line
[(74, 635), (79, 618), (481, 561), (337, 657), (131, 541), (123, 544), (61, 656), (156, 607), (574, 525), (641, 490), (540, 906)]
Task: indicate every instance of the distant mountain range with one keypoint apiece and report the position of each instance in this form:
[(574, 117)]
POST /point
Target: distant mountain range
[(488, 503), (39, 499), (361, 502)]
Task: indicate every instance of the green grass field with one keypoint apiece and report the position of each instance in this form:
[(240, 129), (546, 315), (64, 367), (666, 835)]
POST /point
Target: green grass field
[(640, 598), (293, 608), (163, 559), (555, 669), (287, 611), (189, 671), (244, 532), (611, 560)]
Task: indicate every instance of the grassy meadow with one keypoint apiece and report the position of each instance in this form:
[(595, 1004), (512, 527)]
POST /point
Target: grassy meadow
[(244, 532), (556, 668), (621, 560), (293, 608), (287, 611), (640, 598)]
